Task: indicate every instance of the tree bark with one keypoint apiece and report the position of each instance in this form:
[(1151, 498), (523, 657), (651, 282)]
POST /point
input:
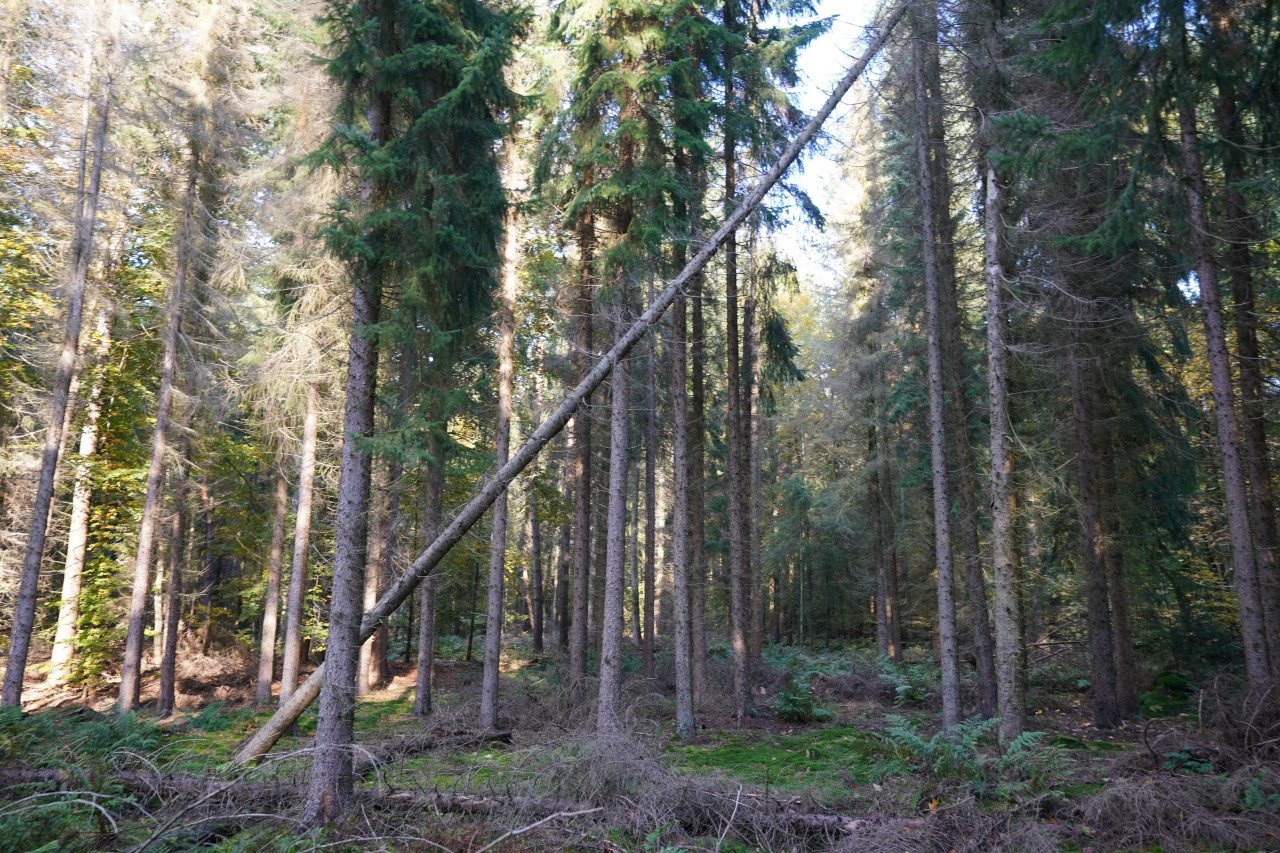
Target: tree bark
[(498, 532), (582, 466), (937, 415), (295, 605), (1010, 701), (608, 706), (682, 646), (469, 514), (433, 514), (64, 638), (271, 604), (650, 498), (24, 615), (131, 665)]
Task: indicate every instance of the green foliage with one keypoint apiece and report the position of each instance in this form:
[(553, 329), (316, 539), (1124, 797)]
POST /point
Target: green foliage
[(1259, 799), (912, 683), (795, 704), (967, 753), (1187, 761)]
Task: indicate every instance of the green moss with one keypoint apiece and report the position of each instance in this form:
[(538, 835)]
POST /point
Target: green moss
[(833, 759)]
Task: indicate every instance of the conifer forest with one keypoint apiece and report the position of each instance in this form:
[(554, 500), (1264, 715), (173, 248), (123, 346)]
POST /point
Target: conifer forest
[(639, 425)]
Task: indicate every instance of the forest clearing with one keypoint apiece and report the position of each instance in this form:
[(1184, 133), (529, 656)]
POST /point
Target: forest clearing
[(478, 425)]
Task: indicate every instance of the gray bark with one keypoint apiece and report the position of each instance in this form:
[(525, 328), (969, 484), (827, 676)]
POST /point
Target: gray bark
[(173, 587), (582, 468), (681, 601), (608, 706), (433, 513)]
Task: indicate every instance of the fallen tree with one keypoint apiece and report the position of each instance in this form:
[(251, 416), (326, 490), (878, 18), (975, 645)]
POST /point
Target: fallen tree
[(262, 741)]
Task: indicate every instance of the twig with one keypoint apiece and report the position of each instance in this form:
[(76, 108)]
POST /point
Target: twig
[(531, 827), (736, 801)]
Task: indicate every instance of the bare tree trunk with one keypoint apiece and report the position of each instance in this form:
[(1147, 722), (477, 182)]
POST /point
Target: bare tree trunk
[(697, 502), (536, 579), (379, 511), (332, 780), (165, 703), (1258, 660), (271, 605), (86, 215), (498, 532), (637, 623), (582, 467), (650, 498), (470, 513), (608, 707), (937, 427), (64, 638), (433, 514), (1010, 701), (751, 437), (295, 604), (682, 641), (131, 665)]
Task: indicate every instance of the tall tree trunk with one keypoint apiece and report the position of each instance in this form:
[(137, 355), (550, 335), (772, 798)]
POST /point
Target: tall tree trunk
[(331, 768), (379, 512), (697, 480), (582, 466), (536, 580), (502, 450), (64, 638), (637, 622), (271, 605), (682, 645), (754, 478), (1106, 709), (948, 652), (1258, 660), (1010, 701), (650, 497), (131, 665), (608, 706), (165, 702), (86, 216), (433, 514), (295, 604)]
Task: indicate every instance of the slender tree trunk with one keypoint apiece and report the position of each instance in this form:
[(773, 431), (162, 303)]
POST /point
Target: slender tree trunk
[(64, 638), (1258, 663), (608, 708), (650, 497), (433, 514), (697, 502), (295, 605), (637, 623), (24, 615), (751, 438), (331, 768), (379, 512), (582, 467), (165, 702), (937, 416), (682, 645), (498, 532), (131, 666), (271, 605), (536, 580), (1010, 701)]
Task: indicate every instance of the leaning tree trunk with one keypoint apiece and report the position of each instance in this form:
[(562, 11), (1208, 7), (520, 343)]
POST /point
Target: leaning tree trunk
[(608, 706), (271, 604), (295, 604), (131, 665), (64, 638), (471, 512), (165, 702), (24, 614), (937, 415)]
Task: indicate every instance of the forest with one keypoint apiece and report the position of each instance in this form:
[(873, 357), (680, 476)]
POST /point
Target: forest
[(601, 425)]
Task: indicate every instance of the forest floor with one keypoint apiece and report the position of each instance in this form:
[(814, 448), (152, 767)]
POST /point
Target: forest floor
[(840, 753)]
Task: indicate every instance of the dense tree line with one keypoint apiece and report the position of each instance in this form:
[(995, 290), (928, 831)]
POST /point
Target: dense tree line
[(295, 313)]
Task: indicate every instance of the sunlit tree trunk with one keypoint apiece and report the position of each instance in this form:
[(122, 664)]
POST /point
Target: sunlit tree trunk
[(165, 703), (682, 646), (608, 707), (295, 605), (582, 465)]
